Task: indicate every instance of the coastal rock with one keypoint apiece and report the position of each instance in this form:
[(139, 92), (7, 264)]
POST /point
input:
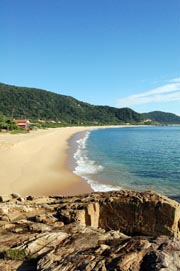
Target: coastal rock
[(4, 198), (124, 230), (141, 213), (45, 218), (130, 212), (43, 243), (132, 254)]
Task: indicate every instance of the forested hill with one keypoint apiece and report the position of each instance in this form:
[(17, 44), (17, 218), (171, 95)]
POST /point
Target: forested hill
[(31, 103), (163, 117)]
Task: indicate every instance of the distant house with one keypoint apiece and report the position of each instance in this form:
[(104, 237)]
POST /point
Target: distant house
[(23, 124), (147, 121)]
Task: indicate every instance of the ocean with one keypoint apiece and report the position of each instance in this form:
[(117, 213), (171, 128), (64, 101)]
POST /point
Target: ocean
[(136, 158)]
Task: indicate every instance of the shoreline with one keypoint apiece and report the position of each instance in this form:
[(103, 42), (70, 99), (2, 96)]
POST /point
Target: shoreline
[(42, 163), (37, 163), (90, 169), (73, 147)]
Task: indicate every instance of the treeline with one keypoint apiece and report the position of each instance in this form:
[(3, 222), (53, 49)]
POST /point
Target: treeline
[(36, 104), (7, 124)]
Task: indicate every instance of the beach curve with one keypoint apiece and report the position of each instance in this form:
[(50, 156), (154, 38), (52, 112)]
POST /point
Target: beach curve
[(36, 163)]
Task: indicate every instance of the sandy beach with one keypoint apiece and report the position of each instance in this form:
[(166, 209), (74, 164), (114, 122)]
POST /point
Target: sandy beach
[(36, 163)]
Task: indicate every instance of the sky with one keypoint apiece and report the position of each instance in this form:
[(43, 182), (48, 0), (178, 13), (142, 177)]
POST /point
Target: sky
[(121, 53)]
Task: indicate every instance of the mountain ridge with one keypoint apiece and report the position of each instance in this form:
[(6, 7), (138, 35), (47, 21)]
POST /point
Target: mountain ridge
[(163, 117), (36, 103)]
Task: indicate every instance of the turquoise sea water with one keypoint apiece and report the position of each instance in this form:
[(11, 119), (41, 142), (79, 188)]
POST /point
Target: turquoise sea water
[(138, 158)]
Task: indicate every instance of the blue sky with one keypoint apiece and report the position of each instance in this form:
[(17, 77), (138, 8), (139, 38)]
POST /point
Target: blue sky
[(123, 53)]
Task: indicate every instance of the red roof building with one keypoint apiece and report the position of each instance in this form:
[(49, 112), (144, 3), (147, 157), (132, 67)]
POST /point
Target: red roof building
[(24, 124)]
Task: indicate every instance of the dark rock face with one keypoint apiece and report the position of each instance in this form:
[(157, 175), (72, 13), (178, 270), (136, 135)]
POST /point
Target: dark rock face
[(125, 231)]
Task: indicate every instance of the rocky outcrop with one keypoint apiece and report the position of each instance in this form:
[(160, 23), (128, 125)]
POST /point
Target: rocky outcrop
[(127, 211), (125, 230)]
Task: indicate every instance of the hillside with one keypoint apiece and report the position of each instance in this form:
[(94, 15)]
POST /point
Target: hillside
[(31, 103), (163, 117)]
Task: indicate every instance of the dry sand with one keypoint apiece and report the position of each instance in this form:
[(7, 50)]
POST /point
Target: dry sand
[(36, 163)]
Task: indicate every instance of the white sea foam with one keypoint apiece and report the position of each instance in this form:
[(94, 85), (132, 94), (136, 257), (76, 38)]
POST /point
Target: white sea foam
[(86, 167), (98, 187)]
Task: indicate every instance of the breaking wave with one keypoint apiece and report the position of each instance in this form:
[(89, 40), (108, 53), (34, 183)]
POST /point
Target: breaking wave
[(86, 167)]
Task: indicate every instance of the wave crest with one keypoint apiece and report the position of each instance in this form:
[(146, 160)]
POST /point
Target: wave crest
[(86, 167)]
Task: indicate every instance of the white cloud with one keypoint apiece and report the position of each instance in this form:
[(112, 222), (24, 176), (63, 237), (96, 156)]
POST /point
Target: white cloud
[(175, 80), (166, 93)]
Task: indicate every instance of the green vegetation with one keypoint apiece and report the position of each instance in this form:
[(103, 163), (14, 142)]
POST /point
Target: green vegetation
[(59, 110), (48, 109), (7, 124), (162, 117), (14, 254)]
